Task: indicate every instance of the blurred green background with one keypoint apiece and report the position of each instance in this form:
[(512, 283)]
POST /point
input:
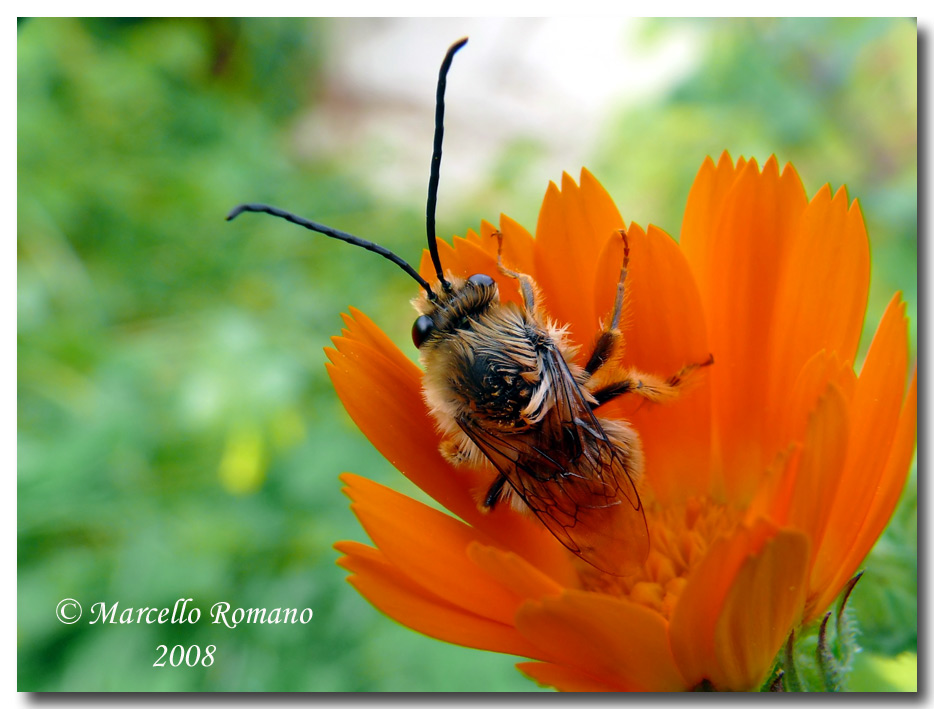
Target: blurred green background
[(177, 434)]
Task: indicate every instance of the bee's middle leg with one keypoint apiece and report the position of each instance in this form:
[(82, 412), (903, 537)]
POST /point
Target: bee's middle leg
[(610, 339), (608, 346), (649, 386)]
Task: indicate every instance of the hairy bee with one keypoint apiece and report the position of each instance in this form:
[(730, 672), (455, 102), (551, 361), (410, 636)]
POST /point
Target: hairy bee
[(500, 380)]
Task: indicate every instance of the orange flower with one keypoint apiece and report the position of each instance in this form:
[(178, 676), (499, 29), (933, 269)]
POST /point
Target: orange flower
[(765, 485)]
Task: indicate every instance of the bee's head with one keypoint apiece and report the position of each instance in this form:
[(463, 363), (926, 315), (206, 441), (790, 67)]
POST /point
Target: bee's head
[(454, 307)]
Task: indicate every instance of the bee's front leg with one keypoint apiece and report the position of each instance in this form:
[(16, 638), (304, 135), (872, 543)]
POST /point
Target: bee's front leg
[(460, 450)]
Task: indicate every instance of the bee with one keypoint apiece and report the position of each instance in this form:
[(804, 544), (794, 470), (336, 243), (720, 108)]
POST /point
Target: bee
[(501, 383)]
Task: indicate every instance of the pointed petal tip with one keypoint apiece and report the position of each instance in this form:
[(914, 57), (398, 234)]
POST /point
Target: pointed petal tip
[(790, 172), (751, 166), (856, 209), (344, 546), (568, 183)]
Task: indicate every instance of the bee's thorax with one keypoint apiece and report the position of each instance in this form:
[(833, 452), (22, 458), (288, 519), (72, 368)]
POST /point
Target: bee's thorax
[(484, 361)]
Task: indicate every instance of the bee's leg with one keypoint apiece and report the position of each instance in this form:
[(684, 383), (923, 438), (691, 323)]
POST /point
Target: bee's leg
[(608, 346), (610, 338), (459, 450), (493, 494), (526, 284), (648, 386), (602, 350)]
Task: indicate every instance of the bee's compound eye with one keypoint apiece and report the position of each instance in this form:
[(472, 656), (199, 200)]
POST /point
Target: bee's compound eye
[(422, 328), (481, 279)]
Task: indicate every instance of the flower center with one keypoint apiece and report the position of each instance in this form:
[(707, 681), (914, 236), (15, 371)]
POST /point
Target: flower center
[(680, 536)]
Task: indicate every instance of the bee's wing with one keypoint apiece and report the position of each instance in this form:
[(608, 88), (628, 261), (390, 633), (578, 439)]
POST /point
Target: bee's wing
[(572, 476)]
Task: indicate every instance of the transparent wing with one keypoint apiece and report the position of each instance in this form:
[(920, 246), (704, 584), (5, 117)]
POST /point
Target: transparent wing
[(572, 476)]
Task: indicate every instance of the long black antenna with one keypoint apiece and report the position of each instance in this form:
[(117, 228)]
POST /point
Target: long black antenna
[(432, 198), (436, 162), (336, 234)]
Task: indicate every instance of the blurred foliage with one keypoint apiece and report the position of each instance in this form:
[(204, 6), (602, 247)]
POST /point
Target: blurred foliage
[(875, 673), (177, 434)]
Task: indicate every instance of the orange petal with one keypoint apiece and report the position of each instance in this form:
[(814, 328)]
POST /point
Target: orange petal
[(892, 483), (773, 497), (874, 415), (602, 214), (694, 621), (568, 237), (701, 214), (518, 245), (381, 391), (513, 572), (815, 425), (883, 503), (750, 240), (429, 547), (763, 605), (789, 429), (794, 408), (560, 266), (619, 643), (664, 331), (823, 291), (820, 467), (401, 599), (563, 678), (360, 328)]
